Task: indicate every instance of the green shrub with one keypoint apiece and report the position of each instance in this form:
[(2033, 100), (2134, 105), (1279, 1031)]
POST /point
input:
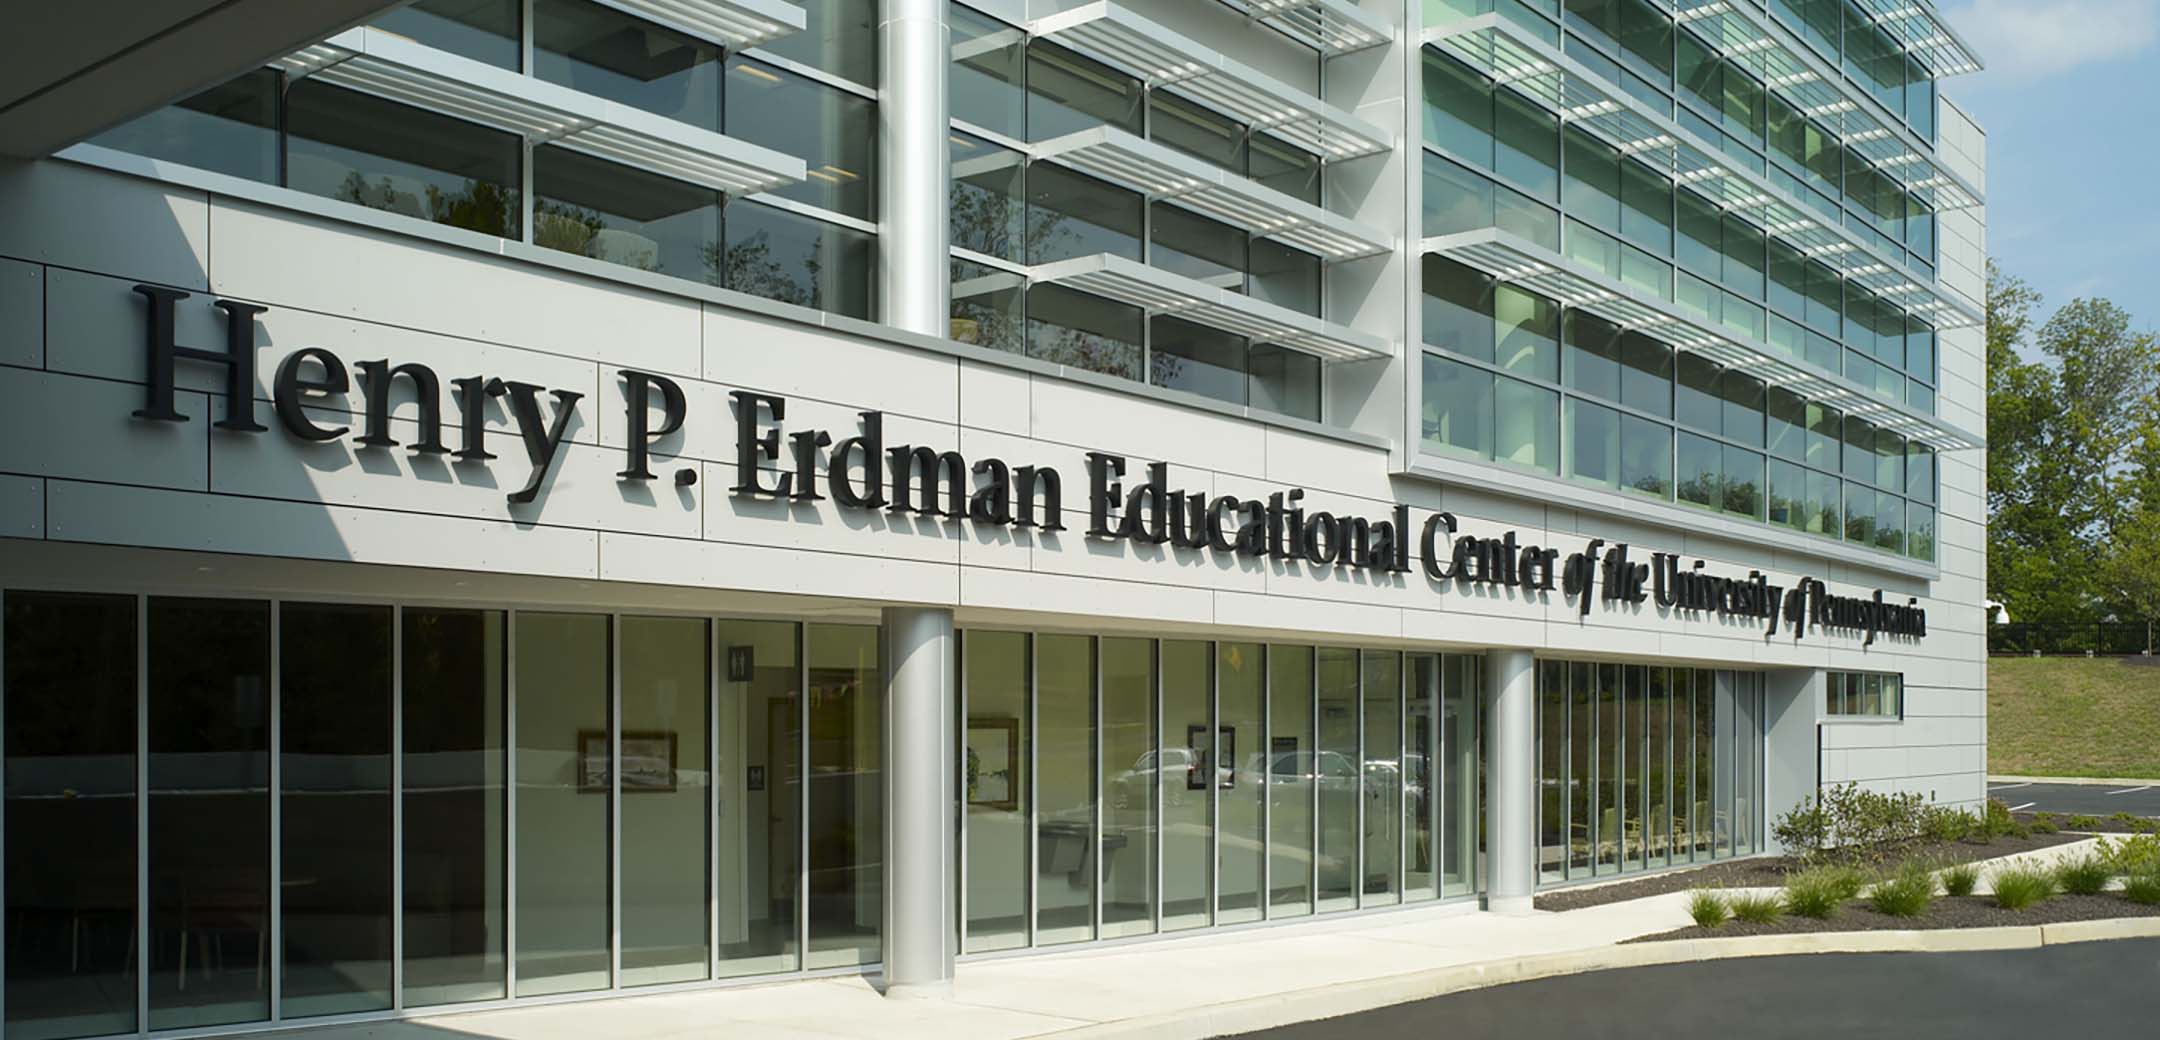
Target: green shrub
[(1998, 821), (2147, 826), (2083, 822), (1960, 879), (2021, 885), (2125, 819), (1755, 908), (1820, 892), (2040, 826), (1906, 893), (2085, 875), (1942, 823), (1848, 823), (1708, 908), (2142, 888), (2138, 854), (2051, 819)]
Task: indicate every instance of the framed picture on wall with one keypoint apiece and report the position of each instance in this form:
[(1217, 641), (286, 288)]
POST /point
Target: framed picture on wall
[(648, 761), (1201, 761), (993, 756)]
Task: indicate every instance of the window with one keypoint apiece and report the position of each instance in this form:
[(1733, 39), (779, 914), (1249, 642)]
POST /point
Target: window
[(839, 37), (1067, 92), (483, 30), (1085, 332), (231, 128), (606, 53), (1195, 358), (1458, 408), (1284, 381), (1864, 694), (358, 148), (794, 259), (988, 307), (988, 75), (988, 202), (833, 131), (592, 207), (1071, 214)]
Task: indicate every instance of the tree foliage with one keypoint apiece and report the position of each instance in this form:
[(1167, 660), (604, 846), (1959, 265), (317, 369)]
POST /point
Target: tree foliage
[(2070, 433)]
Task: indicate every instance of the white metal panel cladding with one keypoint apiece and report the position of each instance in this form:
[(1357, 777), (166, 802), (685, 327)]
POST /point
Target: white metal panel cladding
[(1160, 57), (733, 24), (1161, 292), (1329, 26), (1512, 56), (1160, 172), (390, 66), (1515, 260)]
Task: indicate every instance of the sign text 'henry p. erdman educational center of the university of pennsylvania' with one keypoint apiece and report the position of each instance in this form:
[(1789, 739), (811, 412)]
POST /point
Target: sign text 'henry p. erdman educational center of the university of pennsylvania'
[(861, 471)]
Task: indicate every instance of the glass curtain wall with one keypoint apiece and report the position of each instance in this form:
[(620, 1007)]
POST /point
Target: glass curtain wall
[(568, 803), (1645, 766), (1180, 784)]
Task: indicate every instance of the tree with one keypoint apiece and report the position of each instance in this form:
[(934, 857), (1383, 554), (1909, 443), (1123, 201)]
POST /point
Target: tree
[(2130, 572), (2058, 432)]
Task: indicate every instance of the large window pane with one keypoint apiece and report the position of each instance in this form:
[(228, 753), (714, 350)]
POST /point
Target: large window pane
[(1634, 719), (1336, 766), (839, 36), (1197, 131), (564, 774), (1285, 276), (1458, 109), (1064, 789), (988, 206), (846, 822), (1593, 441), (1421, 778), (1708, 815), (483, 30), (1611, 786), (1526, 330), (834, 132), (666, 780), (1457, 303), (71, 803), (1187, 778), (1289, 769), (604, 52), (1068, 92), (1241, 776), (1458, 407), (1526, 427), (454, 693), (1186, 243), (994, 779), (1459, 717), (1197, 359), (986, 79), (1284, 380), (358, 148), (760, 776), (1381, 684), (1582, 768), (1743, 472), (1657, 766), (1527, 152), (334, 807), (1086, 332), (1702, 472), (988, 307), (1552, 770), (1592, 356), (1646, 374), (793, 259), (1071, 214), (1129, 829), (231, 128), (591, 207), (209, 811), (1646, 459)]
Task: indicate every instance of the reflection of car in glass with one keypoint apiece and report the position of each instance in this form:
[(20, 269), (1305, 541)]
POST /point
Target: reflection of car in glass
[(1132, 785)]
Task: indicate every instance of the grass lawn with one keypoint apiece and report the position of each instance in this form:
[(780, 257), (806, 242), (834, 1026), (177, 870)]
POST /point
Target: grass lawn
[(2070, 716)]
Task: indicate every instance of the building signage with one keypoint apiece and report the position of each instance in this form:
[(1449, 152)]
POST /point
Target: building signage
[(860, 470)]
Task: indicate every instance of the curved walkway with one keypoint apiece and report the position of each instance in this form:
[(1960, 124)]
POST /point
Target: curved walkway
[(2093, 989)]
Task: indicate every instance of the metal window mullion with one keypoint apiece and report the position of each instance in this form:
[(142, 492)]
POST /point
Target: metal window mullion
[(275, 951), (510, 800), (1155, 796), (802, 795), (142, 815), (397, 807), (1357, 836), (1312, 858), (959, 767), (1212, 776), (1095, 791), (1031, 804), (1402, 777), (1439, 773), (714, 676), (614, 848), (1266, 781)]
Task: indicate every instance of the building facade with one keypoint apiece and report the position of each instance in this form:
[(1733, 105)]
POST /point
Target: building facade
[(533, 499)]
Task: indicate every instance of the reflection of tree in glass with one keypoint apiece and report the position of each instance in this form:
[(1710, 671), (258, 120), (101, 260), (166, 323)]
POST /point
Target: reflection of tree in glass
[(1652, 484), (482, 206), (1703, 489), (1165, 369), (749, 266), (574, 229)]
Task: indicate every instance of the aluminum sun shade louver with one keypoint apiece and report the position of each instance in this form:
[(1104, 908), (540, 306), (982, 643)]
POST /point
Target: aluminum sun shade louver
[(1746, 35), (1921, 32), (1160, 172), (1329, 26), (1162, 58), (1161, 292), (733, 24), (1504, 50), (1511, 259), (389, 66)]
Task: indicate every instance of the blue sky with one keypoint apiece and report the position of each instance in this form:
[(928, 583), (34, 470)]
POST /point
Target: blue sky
[(2071, 103)]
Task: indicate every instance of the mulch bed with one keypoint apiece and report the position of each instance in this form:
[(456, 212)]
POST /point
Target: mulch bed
[(1946, 912), (1769, 871)]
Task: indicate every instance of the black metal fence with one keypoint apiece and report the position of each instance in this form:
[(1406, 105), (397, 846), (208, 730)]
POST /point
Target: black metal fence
[(2076, 638)]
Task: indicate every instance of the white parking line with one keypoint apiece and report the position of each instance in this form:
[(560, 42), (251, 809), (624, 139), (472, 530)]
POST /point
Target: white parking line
[(2132, 790), (2010, 787), (2022, 808)]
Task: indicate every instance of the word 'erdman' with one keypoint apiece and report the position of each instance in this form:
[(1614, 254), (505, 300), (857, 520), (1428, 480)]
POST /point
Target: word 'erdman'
[(862, 471)]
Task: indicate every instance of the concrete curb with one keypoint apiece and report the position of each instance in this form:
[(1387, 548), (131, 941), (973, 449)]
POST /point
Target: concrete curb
[(1283, 1009), (2081, 781)]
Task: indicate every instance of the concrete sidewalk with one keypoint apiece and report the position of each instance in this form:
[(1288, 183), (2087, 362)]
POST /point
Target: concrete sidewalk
[(1183, 987)]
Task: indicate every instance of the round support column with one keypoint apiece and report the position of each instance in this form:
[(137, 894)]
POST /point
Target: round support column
[(914, 167), (920, 823), (1511, 792)]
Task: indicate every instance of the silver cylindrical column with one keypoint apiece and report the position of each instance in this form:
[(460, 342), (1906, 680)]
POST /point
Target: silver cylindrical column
[(1511, 785), (919, 809), (914, 166)]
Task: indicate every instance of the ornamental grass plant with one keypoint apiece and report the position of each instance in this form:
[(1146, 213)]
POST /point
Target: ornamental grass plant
[(2021, 885), (1708, 908), (1960, 879), (1756, 908), (1907, 893)]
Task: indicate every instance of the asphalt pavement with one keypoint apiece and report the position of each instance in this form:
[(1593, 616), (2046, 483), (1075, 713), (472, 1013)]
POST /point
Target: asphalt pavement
[(2093, 988), (2094, 799)]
